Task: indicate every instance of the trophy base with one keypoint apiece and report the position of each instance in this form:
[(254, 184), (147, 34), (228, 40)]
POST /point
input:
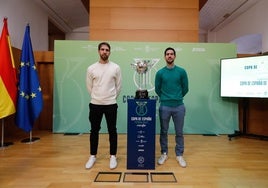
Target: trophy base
[(141, 94)]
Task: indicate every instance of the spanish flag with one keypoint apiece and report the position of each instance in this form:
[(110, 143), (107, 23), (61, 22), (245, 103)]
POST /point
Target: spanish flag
[(8, 77)]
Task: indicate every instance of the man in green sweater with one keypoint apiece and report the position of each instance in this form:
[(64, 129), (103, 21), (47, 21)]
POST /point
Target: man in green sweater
[(171, 85)]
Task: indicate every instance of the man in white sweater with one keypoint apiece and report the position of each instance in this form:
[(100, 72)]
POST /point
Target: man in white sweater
[(103, 81)]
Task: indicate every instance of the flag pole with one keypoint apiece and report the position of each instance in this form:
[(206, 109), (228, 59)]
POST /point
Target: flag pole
[(4, 144), (31, 139)]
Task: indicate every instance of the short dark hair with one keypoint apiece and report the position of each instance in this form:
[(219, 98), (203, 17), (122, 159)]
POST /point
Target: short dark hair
[(104, 44), (169, 48)]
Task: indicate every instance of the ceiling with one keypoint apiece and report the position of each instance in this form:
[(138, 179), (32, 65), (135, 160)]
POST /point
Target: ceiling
[(67, 15), (217, 13), (70, 15)]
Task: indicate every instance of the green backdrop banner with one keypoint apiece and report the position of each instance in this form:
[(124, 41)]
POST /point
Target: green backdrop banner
[(206, 111)]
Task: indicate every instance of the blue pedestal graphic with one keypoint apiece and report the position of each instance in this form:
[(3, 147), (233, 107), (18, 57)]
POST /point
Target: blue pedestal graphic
[(141, 134)]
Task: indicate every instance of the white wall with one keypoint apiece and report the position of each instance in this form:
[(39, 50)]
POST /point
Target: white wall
[(253, 21), (19, 14), (78, 34)]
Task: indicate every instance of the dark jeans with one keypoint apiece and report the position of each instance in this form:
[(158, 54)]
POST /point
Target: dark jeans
[(95, 117)]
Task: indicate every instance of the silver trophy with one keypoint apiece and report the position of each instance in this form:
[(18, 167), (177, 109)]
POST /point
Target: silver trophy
[(142, 67)]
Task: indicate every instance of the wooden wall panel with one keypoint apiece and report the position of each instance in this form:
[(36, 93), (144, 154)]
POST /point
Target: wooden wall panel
[(152, 20), (257, 122), (144, 35), (45, 67), (144, 18), (147, 3)]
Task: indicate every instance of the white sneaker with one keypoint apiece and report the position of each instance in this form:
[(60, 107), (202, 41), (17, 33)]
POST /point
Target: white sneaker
[(90, 162), (162, 158), (181, 161), (113, 162)]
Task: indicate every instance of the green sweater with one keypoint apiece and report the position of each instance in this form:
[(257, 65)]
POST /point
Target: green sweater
[(171, 85)]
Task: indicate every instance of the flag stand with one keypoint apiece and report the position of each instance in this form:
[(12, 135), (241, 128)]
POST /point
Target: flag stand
[(4, 144), (31, 139)]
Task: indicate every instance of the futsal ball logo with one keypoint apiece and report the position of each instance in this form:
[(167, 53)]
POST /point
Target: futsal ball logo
[(140, 159)]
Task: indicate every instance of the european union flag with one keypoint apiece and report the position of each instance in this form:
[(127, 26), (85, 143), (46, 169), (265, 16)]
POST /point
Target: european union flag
[(30, 97)]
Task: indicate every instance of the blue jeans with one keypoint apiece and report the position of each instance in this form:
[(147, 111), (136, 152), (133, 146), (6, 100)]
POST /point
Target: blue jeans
[(177, 113)]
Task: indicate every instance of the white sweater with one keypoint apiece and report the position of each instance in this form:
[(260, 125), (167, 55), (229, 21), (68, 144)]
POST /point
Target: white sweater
[(103, 82)]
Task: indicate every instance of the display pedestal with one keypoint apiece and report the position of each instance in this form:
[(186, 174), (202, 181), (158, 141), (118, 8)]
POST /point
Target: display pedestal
[(141, 134)]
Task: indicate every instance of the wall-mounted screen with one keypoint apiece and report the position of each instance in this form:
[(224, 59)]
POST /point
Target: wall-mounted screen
[(244, 77)]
